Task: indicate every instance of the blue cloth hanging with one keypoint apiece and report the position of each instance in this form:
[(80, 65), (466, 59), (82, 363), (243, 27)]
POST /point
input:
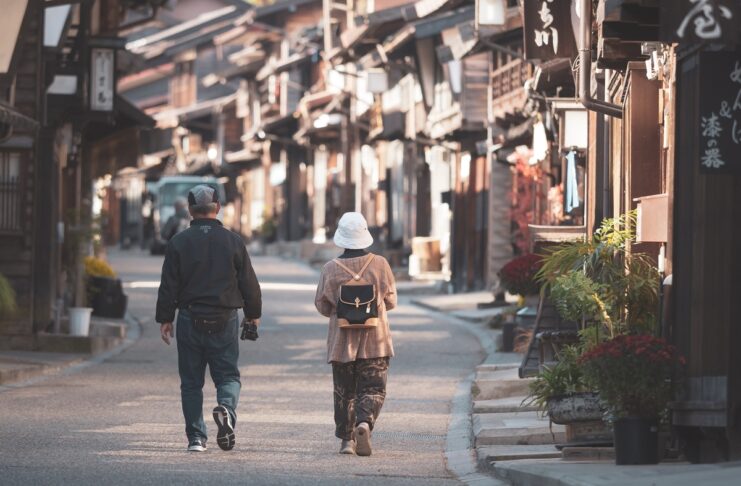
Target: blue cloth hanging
[(572, 189)]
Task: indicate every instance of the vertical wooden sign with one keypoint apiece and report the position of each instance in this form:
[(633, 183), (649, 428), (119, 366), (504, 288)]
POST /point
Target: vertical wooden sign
[(547, 29), (719, 126)]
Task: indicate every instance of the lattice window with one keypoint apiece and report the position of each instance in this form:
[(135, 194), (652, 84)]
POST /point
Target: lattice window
[(10, 192)]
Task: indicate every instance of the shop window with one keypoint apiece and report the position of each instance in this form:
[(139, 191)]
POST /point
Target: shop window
[(10, 192)]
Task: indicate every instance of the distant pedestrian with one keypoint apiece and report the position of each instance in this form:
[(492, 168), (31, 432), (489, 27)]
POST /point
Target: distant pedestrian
[(207, 275), (180, 221), (355, 291)]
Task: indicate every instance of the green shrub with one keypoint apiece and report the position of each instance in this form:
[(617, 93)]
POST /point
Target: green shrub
[(7, 297)]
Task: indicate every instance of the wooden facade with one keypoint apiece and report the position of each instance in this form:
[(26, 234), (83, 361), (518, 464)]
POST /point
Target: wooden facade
[(22, 206), (703, 322), (655, 149), (51, 151)]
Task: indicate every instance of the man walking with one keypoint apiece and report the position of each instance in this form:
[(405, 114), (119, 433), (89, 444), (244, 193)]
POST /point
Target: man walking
[(207, 275)]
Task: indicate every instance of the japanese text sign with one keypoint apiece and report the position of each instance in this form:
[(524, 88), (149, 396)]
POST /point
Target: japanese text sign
[(547, 29), (692, 21), (720, 112)]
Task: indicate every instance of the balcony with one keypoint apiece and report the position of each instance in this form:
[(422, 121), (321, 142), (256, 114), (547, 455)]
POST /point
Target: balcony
[(508, 91)]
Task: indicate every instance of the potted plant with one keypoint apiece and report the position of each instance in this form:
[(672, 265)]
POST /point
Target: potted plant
[(518, 277), (104, 290), (598, 280), (268, 229), (561, 391), (636, 376), (8, 303), (602, 286)]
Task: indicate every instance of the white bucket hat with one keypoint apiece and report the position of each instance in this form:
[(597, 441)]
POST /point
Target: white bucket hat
[(352, 232)]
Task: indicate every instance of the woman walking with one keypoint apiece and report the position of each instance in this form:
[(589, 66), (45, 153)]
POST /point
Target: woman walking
[(359, 342)]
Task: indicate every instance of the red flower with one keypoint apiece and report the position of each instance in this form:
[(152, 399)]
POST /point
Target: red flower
[(518, 275), (634, 374)]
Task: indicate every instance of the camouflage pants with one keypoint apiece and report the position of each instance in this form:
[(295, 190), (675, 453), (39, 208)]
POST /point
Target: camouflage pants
[(359, 392)]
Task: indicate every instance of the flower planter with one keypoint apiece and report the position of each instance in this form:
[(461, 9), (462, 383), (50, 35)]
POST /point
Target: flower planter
[(636, 441), (581, 413), (578, 407), (106, 297)]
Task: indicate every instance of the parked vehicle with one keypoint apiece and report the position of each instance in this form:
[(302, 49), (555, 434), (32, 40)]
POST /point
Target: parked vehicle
[(164, 194)]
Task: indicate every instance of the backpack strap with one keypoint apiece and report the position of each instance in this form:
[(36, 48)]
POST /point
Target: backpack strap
[(355, 276)]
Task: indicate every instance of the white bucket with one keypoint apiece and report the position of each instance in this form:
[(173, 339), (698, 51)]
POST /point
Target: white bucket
[(79, 320)]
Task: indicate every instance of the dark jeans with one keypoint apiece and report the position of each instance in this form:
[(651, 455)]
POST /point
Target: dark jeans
[(220, 351), (359, 393)]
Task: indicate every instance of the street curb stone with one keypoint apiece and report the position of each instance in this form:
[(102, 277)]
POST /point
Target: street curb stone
[(460, 454), (133, 333)]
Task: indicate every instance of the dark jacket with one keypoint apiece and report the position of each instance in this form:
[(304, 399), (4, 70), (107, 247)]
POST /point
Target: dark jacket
[(208, 265)]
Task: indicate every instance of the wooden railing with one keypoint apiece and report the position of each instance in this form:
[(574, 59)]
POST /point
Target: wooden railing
[(508, 81), (10, 193)]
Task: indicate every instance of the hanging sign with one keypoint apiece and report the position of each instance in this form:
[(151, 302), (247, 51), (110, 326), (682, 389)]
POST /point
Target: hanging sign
[(547, 29), (692, 21), (719, 125), (102, 72)]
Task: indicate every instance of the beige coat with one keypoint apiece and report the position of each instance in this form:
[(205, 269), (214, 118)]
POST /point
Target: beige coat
[(345, 345)]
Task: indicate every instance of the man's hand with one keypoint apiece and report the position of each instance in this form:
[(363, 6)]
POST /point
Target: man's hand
[(167, 332), (249, 329)]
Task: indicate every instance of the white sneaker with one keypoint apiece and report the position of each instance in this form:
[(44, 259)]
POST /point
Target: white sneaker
[(347, 447), (225, 437), (363, 440)]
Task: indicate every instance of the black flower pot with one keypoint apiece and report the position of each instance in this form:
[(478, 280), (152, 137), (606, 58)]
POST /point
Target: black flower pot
[(636, 441), (106, 297)]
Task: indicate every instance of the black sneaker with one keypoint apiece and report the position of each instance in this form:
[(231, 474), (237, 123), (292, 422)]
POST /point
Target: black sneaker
[(225, 437), (197, 445)]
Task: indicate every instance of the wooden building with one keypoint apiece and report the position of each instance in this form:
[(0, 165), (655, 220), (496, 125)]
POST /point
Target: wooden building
[(60, 131), (661, 93)]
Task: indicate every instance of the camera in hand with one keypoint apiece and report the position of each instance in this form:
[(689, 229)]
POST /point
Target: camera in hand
[(249, 330)]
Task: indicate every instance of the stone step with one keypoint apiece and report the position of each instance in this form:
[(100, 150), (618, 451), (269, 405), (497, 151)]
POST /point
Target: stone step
[(502, 383), (446, 303), (107, 329), (489, 455), (503, 405), (523, 428), (63, 343), (477, 315), (497, 367), (588, 453)]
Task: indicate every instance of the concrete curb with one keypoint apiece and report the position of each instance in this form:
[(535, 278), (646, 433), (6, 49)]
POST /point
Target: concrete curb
[(460, 454), (133, 334)]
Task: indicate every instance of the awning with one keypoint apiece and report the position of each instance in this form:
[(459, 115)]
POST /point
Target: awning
[(244, 155), (13, 15), (420, 29), (173, 117), (133, 115), (554, 77), (429, 27), (458, 42), (284, 64), (16, 119), (381, 23), (275, 8), (232, 72), (191, 33)]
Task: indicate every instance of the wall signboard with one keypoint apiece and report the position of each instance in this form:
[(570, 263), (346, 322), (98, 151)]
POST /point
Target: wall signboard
[(693, 21), (548, 29), (719, 124)]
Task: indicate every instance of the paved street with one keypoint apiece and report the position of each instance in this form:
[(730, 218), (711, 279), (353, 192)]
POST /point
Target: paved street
[(120, 422)]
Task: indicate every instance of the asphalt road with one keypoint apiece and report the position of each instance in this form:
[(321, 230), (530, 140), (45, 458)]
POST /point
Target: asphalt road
[(120, 422)]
